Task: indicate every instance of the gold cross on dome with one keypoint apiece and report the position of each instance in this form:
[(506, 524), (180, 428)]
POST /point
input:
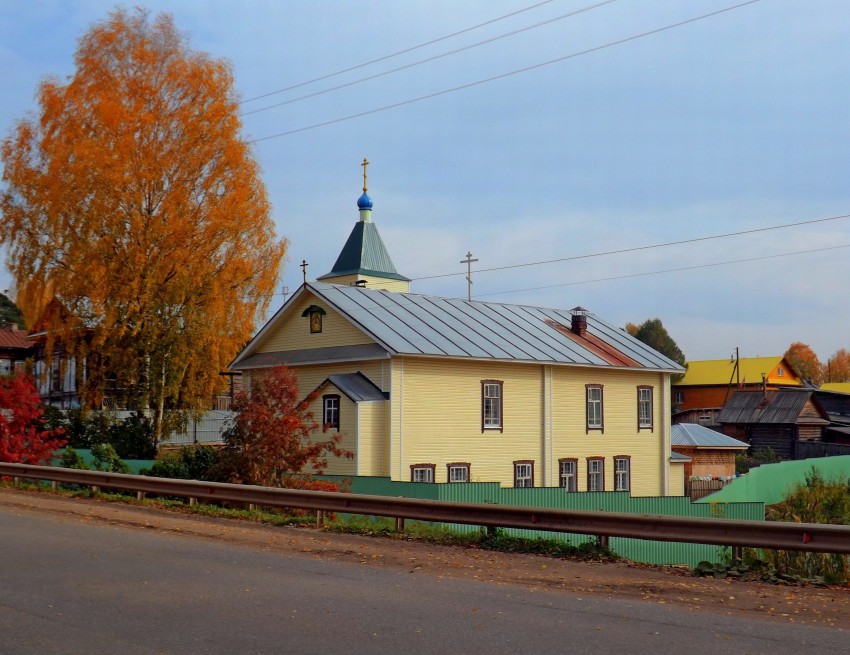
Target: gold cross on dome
[(365, 164)]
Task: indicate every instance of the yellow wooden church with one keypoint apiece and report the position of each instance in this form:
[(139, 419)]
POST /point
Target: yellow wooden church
[(430, 389)]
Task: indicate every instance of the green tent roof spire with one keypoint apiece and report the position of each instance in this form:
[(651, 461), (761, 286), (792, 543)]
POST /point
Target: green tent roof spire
[(364, 253)]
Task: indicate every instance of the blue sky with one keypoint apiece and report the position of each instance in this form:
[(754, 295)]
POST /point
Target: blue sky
[(731, 123)]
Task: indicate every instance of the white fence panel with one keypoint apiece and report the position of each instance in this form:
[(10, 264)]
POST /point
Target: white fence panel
[(206, 430)]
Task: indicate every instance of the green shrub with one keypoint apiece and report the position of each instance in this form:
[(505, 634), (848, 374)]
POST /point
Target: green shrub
[(71, 459), (132, 437), (750, 460), (106, 459), (196, 463)]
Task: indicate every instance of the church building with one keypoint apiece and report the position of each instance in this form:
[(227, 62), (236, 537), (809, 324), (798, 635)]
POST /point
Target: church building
[(431, 389)]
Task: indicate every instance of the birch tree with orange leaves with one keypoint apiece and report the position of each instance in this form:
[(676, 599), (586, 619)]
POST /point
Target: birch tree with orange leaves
[(138, 229)]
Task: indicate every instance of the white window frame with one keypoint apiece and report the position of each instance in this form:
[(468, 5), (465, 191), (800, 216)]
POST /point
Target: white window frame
[(645, 399), (523, 475), (458, 473), (422, 473), (596, 475), (622, 474), (492, 405), (330, 410), (595, 408), (568, 474)]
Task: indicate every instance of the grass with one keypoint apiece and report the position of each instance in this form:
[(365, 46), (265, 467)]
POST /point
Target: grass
[(496, 539)]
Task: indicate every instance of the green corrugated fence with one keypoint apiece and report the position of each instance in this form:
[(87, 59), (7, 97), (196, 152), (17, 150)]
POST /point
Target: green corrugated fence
[(770, 483), (651, 552)]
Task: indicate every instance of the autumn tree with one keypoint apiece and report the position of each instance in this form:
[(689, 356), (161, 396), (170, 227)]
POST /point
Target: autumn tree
[(653, 333), (23, 436), (805, 362), (274, 439), (133, 210), (837, 368)]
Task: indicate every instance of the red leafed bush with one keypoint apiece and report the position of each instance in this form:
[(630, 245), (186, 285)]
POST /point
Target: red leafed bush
[(23, 438), (274, 439)]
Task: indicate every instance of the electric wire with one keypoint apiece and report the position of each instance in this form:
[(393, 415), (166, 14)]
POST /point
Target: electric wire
[(639, 248), (427, 60), (667, 270), (518, 71), (396, 54)]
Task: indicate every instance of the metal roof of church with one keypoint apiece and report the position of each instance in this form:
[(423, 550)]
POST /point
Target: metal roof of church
[(414, 324), (364, 253)]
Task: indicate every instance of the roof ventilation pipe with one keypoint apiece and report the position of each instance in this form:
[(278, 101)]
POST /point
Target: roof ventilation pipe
[(579, 322)]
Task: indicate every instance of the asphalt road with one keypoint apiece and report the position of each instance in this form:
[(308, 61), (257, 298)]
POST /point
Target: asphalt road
[(68, 586)]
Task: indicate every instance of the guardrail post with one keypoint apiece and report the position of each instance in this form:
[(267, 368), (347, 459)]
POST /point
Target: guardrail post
[(737, 554), (251, 507), (54, 486), (140, 495), (399, 524), (192, 501), (16, 481), (603, 540), (95, 489), (320, 519)]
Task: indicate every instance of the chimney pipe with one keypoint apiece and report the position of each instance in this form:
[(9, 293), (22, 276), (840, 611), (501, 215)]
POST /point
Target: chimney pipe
[(579, 321)]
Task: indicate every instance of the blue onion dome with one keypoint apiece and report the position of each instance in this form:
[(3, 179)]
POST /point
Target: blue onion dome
[(364, 201)]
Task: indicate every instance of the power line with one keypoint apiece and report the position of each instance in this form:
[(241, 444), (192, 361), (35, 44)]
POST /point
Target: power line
[(638, 248), (667, 270), (518, 71), (396, 54), (428, 59)]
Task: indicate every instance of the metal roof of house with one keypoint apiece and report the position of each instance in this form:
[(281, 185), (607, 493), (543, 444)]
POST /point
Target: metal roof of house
[(364, 253), (720, 371), (679, 457), (413, 324), (836, 387), (15, 339), (781, 406), (693, 435), (354, 353), (356, 386), (836, 404)]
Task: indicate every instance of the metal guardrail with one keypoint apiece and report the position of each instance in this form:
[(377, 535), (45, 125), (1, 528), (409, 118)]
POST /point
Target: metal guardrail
[(723, 532)]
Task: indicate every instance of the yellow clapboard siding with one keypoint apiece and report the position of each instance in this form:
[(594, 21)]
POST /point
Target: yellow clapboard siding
[(620, 436), (309, 377), (347, 428), (441, 410), (371, 459), (677, 479), (436, 419), (372, 282), (293, 331)]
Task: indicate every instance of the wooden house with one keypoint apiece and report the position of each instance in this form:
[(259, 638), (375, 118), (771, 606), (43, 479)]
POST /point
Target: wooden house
[(430, 389), (15, 349), (708, 384), (776, 419), (712, 453)]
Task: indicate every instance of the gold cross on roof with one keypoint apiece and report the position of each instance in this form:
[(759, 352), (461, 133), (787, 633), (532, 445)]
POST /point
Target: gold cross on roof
[(365, 164)]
